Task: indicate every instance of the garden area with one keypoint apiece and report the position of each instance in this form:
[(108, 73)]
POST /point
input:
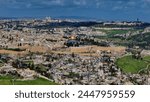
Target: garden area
[(9, 80), (132, 65)]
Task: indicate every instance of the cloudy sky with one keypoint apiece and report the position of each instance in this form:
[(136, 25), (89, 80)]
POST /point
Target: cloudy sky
[(99, 9)]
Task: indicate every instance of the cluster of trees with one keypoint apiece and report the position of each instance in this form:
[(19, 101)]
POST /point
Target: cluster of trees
[(43, 70)]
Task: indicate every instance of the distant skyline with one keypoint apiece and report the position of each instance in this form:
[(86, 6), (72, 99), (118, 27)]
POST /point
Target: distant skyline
[(122, 10)]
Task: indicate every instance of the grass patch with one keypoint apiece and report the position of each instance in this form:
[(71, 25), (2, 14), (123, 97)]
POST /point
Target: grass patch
[(111, 33), (129, 64), (38, 81), (7, 80), (147, 58), (114, 32)]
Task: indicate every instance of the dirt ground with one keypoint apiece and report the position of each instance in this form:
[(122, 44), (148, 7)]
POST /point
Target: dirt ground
[(97, 48), (40, 49), (92, 50), (83, 50), (12, 52)]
